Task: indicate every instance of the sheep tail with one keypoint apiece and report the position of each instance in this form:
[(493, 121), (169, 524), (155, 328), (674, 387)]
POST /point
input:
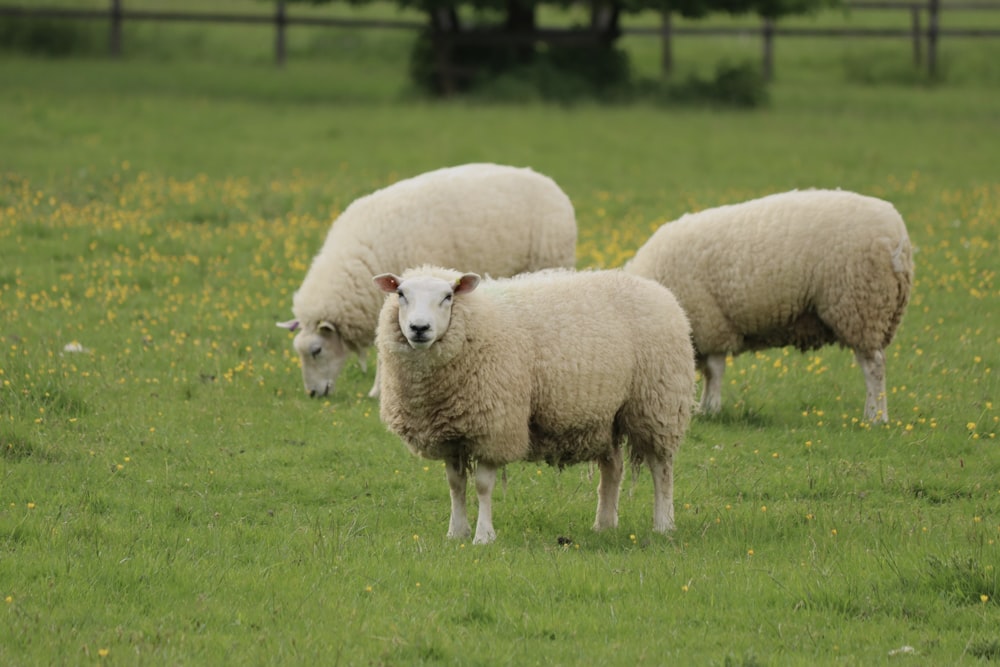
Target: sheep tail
[(901, 255)]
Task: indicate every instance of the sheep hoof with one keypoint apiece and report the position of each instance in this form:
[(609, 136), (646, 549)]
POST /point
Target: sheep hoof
[(664, 527), (710, 408), (485, 538), (459, 533)]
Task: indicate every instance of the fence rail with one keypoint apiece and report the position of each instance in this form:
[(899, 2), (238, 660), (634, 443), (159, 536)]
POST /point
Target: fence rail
[(116, 15)]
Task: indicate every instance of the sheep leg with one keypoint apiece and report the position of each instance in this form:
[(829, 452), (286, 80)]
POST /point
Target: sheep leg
[(486, 479), (712, 368), (873, 366), (459, 525), (663, 492), (375, 390), (608, 490)]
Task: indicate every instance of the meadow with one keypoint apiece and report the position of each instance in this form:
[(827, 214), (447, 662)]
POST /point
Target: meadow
[(169, 495)]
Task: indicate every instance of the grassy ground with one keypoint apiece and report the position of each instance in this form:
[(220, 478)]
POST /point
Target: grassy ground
[(169, 495)]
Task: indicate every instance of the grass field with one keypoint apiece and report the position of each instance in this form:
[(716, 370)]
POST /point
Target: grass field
[(168, 495)]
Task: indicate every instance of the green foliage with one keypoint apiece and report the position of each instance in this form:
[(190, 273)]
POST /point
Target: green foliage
[(459, 55), (738, 86), (691, 8), (492, 72), (574, 74), (60, 38), (768, 8)]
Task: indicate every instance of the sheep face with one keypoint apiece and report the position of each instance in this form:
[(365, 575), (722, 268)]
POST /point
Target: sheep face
[(322, 353), (425, 304)]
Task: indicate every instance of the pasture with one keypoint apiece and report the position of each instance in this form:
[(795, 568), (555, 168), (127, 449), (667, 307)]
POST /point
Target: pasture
[(169, 495)]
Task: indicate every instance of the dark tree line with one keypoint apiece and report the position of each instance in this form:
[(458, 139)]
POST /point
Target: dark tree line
[(470, 39)]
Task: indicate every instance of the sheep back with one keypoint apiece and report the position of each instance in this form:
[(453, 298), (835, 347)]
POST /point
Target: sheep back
[(555, 366), (803, 268), (495, 219)]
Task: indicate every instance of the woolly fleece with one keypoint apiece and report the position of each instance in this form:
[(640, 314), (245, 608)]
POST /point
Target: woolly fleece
[(496, 220), (557, 366), (802, 268)]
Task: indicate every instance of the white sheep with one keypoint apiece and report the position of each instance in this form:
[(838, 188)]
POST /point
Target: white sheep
[(495, 219), (803, 268), (555, 366)]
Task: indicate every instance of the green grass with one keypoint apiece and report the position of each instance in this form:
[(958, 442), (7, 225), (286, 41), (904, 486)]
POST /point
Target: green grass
[(170, 495)]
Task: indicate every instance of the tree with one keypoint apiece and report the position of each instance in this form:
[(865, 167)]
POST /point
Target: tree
[(467, 41)]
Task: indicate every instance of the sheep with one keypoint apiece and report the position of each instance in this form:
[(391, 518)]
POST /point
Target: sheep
[(802, 268), (554, 366), (497, 219)]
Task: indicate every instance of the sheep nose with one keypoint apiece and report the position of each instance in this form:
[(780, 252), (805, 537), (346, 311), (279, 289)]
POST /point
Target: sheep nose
[(319, 393), (420, 329)]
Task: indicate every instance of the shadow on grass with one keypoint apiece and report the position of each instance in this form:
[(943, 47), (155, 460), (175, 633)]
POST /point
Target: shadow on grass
[(743, 416), (16, 447)]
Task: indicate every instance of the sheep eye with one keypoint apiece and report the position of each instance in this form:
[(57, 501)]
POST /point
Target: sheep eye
[(400, 294), (446, 299)]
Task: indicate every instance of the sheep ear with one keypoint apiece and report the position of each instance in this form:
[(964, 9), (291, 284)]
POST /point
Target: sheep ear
[(387, 282), (466, 283), (291, 325)]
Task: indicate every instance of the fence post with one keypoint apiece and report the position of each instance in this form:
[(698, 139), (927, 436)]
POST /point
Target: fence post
[(666, 44), (115, 32), (933, 8), (768, 64), (280, 21), (917, 37)]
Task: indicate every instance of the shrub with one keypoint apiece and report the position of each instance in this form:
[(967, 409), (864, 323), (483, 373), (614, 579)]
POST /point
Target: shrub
[(488, 70), (567, 74), (740, 85), (48, 37)]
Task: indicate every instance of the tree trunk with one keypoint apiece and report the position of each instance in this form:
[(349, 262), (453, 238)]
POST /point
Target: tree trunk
[(605, 20), (444, 24), (521, 20)]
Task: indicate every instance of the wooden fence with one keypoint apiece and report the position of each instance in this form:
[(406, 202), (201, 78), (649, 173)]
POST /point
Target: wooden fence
[(916, 33), (925, 36)]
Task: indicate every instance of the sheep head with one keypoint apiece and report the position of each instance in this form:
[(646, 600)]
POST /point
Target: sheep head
[(322, 353), (425, 303)]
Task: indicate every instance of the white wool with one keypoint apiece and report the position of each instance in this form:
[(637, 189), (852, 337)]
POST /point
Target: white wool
[(803, 268), (496, 220), (557, 366)]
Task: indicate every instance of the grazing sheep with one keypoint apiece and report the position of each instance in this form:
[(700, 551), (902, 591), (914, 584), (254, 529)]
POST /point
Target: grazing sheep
[(496, 219), (555, 366), (803, 268)]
